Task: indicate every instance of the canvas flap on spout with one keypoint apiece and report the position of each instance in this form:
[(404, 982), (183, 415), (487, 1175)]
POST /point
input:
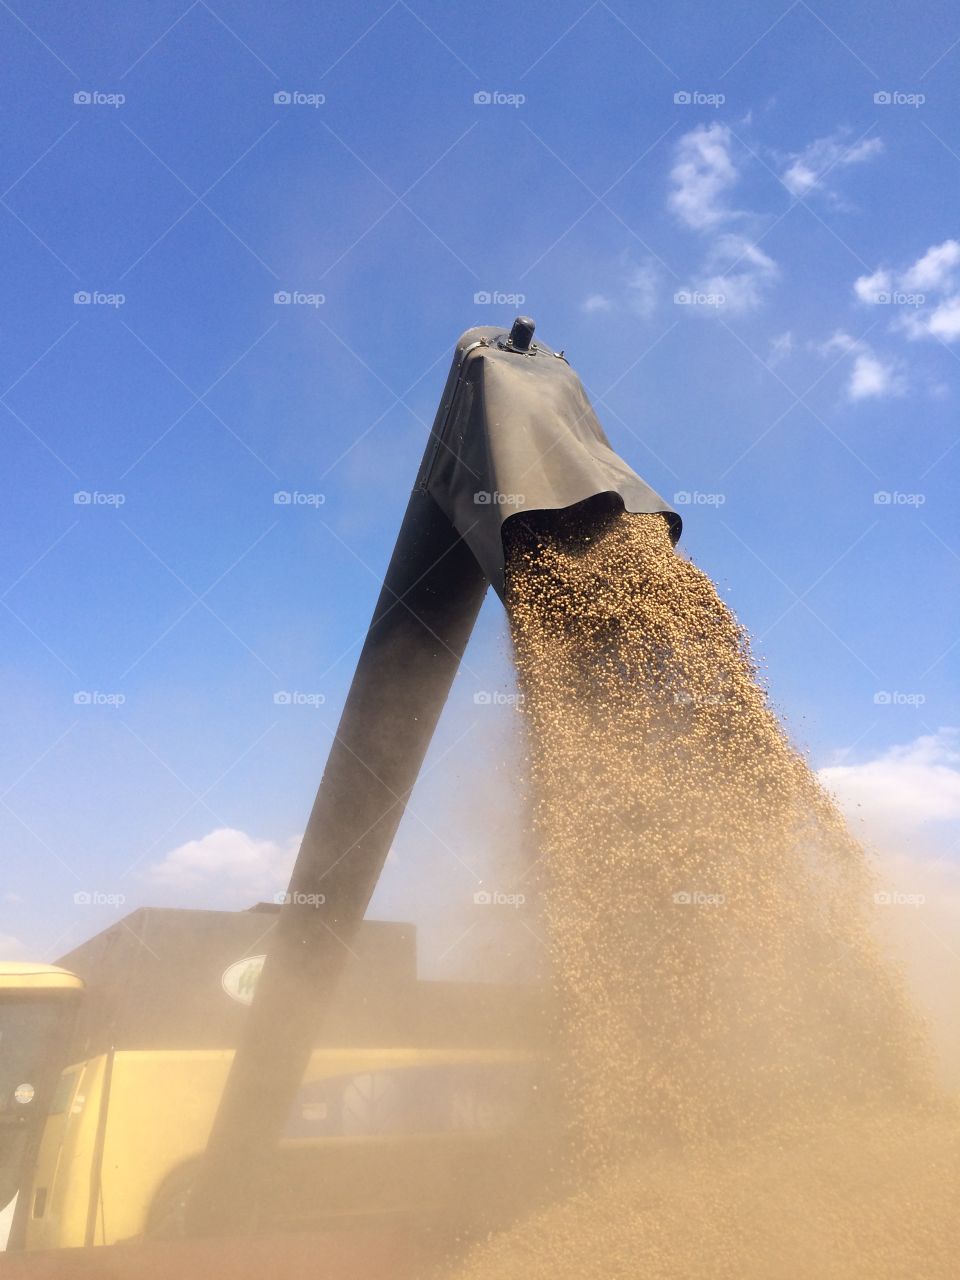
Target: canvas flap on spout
[(520, 435)]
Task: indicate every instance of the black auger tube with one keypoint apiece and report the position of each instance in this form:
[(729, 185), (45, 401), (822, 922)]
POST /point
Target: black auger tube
[(423, 619), (514, 433)]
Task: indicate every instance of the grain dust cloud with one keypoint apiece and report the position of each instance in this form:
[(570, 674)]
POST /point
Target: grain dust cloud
[(746, 1087)]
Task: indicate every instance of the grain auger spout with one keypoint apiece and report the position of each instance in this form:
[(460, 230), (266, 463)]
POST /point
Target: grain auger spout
[(514, 433)]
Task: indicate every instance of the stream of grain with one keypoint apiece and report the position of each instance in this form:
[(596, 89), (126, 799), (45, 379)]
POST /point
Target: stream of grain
[(746, 1089)]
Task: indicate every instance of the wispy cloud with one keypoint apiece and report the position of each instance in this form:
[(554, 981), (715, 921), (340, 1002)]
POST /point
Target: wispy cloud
[(738, 271), (808, 170), (703, 174), (637, 290), (872, 377), (11, 948), (735, 272), (643, 287), (781, 348)]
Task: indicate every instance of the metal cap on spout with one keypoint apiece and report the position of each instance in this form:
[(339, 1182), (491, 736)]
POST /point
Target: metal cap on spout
[(521, 335)]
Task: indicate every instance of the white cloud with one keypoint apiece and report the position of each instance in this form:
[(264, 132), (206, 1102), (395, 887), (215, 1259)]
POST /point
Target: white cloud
[(935, 271), (702, 175), (596, 302), (944, 320), (808, 168), (874, 378), (871, 376), (741, 272), (875, 288), (927, 293), (11, 948), (736, 273), (916, 783), (840, 341), (734, 269), (228, 863)]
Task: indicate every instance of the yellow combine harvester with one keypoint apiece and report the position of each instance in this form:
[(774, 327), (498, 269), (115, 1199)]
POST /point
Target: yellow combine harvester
[(102, 1132)]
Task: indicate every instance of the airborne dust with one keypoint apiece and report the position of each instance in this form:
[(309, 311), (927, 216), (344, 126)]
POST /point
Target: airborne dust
[(747, 1090)]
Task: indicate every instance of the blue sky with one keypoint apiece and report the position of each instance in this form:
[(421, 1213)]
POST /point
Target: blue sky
[(741, 226)]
